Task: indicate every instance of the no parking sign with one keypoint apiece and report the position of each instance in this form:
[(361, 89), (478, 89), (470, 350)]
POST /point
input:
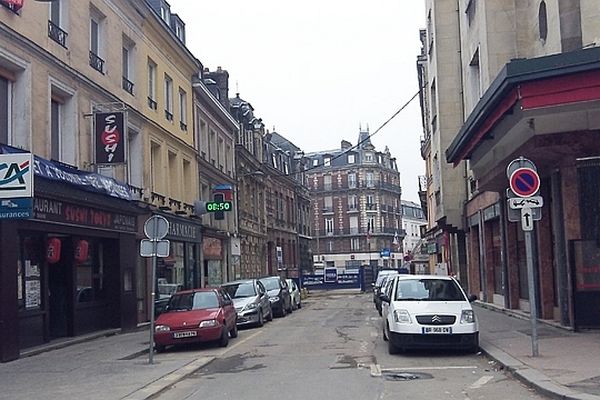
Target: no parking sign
[(524, 182)]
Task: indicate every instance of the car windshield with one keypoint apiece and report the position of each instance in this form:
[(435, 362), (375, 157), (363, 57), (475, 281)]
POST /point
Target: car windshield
[(270, 283), (240, 290), (428, 289), (193, 301)]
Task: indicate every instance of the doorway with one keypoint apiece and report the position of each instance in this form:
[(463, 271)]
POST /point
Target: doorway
[(60, 291)]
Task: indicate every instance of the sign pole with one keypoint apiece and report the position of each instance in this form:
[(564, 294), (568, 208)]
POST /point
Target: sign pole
[(532, 292), (153, 298)]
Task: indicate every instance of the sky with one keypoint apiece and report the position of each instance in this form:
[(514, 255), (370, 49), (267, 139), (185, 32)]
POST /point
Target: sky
[(317, 70)]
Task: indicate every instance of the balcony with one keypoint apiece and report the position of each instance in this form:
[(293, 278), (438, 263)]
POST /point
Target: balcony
[(96, 62), (168, 115), (128, 85), (57, 34), (183, 126)]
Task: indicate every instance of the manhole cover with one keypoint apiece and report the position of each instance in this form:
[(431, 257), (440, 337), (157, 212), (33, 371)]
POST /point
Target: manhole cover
[(405, 376)]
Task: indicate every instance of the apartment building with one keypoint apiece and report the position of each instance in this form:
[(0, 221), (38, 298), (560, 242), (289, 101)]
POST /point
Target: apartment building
[(356, 206), (529, 75)]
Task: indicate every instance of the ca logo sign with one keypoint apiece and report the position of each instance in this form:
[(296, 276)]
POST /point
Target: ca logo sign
[(13, 173)]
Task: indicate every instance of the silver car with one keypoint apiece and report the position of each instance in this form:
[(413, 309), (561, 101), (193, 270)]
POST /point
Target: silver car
[(295, 294), (250, 300)]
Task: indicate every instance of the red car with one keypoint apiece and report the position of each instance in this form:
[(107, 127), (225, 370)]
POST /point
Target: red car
[(198, 315)]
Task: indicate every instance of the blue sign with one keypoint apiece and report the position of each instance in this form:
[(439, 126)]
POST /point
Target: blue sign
[(384, 252), (331, 275), (18, 208)]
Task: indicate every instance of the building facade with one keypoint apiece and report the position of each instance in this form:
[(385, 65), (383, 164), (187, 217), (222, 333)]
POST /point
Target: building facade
[(529, 85), (413, 220), (356, 206)]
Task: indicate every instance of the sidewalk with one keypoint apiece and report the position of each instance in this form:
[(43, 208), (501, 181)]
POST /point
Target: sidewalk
[(102, 367), (568, 365)]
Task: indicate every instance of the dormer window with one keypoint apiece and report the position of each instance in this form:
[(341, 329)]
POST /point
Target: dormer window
[(165, 13), (327, 161), (351, 158), (315, 162), (368, 157)]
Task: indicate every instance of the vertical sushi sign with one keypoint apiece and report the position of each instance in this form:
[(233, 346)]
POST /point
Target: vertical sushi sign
[(16, 185), (110, 137)]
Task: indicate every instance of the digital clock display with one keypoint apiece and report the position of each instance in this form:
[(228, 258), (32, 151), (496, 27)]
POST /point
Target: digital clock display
[(215, 206)]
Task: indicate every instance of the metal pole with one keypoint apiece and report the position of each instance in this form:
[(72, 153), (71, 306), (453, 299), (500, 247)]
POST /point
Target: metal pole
[(532, 292), (153, 296)]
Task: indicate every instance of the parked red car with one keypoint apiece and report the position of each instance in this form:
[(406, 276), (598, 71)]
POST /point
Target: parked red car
[(198, 315)]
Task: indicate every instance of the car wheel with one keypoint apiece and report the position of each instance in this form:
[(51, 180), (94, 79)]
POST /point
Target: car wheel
[(385, 338), (299, 303), (224, 340), (270, 315), (291, 309), (234, 332), (160, 348), (283, 311), (260, 322)]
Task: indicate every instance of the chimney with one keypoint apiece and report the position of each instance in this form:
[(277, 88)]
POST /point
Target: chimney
[(346, 145), (221, 77)]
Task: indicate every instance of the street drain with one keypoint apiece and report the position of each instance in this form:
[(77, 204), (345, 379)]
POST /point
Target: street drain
[(405, 376)]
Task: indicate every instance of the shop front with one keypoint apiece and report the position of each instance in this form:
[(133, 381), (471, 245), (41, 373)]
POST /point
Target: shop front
[(180, 270), (67, 271)]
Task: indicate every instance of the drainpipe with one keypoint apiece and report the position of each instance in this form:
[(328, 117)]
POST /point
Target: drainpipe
[(482, 274)]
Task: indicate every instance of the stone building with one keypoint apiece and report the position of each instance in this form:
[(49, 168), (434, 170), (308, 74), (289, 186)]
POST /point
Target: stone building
[(528, 74), (356, 206)]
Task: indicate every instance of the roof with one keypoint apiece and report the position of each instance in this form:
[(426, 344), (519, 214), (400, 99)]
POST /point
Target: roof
[(498, 95)]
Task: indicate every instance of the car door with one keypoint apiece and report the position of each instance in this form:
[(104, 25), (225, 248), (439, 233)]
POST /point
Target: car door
[(389, 289), (228, 309), (265, 304), (285, 292)]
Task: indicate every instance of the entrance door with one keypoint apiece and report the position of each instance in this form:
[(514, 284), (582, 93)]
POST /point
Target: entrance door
[(60, 292)]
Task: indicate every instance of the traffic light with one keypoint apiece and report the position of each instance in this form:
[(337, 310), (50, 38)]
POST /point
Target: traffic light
[(219, 198)]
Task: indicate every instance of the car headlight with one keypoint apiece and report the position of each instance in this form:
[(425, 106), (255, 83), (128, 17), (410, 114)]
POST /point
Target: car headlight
[(274, 299), (209, 323), (161, 328), (402, 316), (250, 306), (467, 317)]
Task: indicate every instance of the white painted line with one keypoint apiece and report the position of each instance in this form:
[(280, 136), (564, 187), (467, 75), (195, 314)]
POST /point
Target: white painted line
[(430, 368), (238, 342), (375, 370), (481, 381)]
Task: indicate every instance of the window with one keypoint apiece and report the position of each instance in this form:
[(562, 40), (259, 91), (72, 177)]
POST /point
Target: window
[(135, 164), (128, 66), (327, 204), (543, 21), (56, 24), (5, 110), (354, 244), (63, 140), (470, 11), (352, 180), (327, 182), (368, 157), (353, 225), (352, 202), (152, 85), (327, 161), (168, 98), (155, 166), (96, 61), (351, 158), (182, 109), (370, 202), (370, 181), (315, 162), (329, 226)]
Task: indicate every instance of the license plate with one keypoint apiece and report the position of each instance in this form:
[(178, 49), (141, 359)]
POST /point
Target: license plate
[(179, 335), (437, 329)]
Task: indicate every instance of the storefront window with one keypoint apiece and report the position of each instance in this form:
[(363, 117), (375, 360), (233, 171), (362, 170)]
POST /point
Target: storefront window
[(171, 272), (29, 287), (89, 263)]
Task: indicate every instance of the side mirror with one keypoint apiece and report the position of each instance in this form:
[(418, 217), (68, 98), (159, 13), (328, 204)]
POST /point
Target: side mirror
[(472, 298), (384, 297)]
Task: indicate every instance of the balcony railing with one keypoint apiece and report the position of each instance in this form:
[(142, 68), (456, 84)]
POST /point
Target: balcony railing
[(57, 34), (183, 126), (128, 85), (152, 103), (96, 62), (168, 115)]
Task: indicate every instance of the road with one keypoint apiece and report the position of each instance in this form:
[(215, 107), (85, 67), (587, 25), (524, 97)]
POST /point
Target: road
[(332, 349)]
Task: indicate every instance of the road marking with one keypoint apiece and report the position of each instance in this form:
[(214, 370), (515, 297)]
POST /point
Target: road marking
[(238, 343), (430, 368), (481, 381), (375, 370)]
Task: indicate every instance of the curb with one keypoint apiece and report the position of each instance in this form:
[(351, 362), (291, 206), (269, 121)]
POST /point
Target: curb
[(153, 389), (532, 377)]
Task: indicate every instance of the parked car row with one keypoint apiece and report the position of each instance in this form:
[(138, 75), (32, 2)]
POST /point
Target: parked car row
[(426, 311), (215, 314)]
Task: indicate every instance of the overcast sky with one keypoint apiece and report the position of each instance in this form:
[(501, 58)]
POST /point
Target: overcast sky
[(316, 70)]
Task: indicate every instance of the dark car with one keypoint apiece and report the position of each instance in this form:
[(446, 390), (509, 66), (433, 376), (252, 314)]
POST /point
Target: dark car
[(279, 295), (250, 300), (198, 315), (382, 278)]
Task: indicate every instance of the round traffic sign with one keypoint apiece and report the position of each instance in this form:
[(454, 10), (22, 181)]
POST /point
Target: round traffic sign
[(524, 182), (156, 227)]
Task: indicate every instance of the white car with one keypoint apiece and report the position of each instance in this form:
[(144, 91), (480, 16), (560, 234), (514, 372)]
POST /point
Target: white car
[(294, 294), (428, 311)]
